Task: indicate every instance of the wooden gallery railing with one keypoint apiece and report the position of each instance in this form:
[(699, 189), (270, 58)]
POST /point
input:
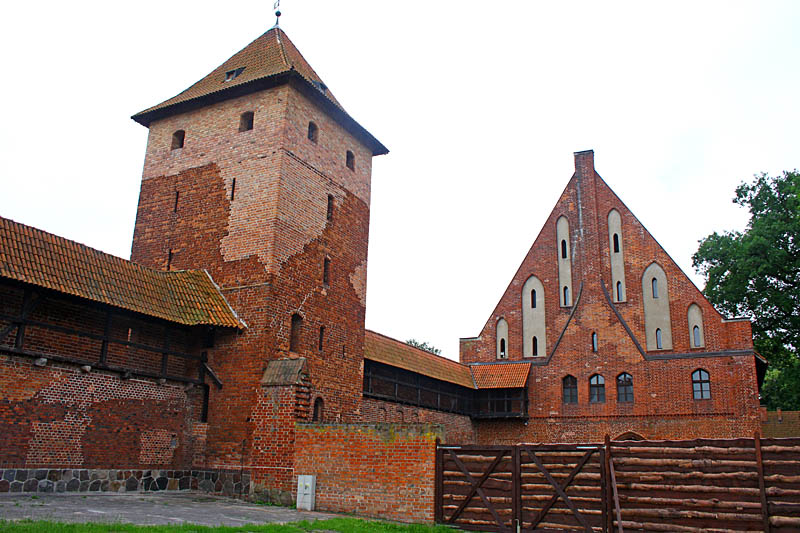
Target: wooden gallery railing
[(693, 486)]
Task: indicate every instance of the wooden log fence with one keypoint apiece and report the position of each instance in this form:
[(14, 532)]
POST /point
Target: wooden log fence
[(703, 485)]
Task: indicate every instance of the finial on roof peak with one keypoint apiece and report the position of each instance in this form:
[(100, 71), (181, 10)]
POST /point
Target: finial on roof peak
[(276, 6)]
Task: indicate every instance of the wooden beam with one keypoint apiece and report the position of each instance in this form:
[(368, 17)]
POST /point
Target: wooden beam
[(761, 485)]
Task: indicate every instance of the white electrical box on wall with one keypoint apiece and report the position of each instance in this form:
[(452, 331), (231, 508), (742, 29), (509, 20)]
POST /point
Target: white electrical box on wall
[(306, 490)]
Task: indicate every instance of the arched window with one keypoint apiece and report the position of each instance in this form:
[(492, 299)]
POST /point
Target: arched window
[(563, 258), (313, 132), (569, 389), (701, 384), (246, 121), (616, 243), (594, 341), (654, 285), (616, 258), (177, 139), (319, 406), (566, 295), (655, 300), (624, 387), (534, 330), (350, 160), (563, 249), (597, 389), (502, 348), (619, 291), (533, 299), (695, 319), (535, 346), (696, 337), (294, 335), (659, 344), (502, 338)]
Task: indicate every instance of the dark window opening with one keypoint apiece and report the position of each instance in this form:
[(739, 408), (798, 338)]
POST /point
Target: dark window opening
[(500, 403), (619, 291), (569, 388), (701, 384), (696, 336), (326, 271), (233, 74), (294, 335), (654, 284), (502, 348), (566, 295), (204, 411), (246, 121), (321, 337), (313, 132), (624, 387), (535, 346), (319, 405), (329, 214), (177, 139), (533, 299), (350, 160), (233, 188), (616, 243), (597, 389), (169, 259), (594, 341), (563, 249), (175, 207), (658, 339)]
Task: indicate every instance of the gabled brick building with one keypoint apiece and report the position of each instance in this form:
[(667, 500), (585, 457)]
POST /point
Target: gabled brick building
[(242, 310)]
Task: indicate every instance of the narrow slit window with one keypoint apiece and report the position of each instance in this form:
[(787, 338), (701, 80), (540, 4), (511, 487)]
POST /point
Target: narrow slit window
[(625, 388), (326, 271), (616, 243), (696, 336), (169, 259), (319, 405), (321, 338), (313, 132), (658, 339), (619, 291), (535, 346), (350, 160), (701, 385), (329, 214), (594, 341), (597, 389), (563, 249), (233, 188), (177, 139), (246, 121), (502, 348), (533, 299), (654, 284), (175, 207), (294, 335), (566, 295), (569, 388)]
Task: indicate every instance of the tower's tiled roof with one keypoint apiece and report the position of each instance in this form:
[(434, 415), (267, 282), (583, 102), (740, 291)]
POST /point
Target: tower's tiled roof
[(392, 352), (33, 256), (269, 60)]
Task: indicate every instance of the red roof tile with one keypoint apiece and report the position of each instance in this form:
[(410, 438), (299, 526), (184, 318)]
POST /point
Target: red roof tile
[(392, 352), (501, 375), (33, 256)]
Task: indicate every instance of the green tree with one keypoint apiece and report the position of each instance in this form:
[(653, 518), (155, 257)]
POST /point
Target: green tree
[(424, 346), (756, 273)]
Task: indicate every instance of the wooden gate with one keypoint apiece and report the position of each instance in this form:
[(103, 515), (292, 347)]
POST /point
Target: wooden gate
[(545, 487)]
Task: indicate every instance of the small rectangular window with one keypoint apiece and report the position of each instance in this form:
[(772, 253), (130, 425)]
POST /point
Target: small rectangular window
[(321, 337), (326, 271), (329, 215)]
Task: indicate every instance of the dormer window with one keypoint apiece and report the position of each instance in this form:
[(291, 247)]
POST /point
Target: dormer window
[(233, 74)]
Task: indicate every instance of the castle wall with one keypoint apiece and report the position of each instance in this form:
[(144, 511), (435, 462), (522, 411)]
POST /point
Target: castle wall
[(455, 428)]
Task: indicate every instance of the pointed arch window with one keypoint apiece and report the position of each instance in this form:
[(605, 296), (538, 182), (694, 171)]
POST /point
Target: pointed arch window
[(535, 346), (701, 384), (502, 348), (696, 337), (569, 389), (654, 286), (533, 299), (563, 248), (177, 139), (502, 338), (319, 406), (659, 343), (597, 389), (616, 243), (624, 387), (594, 341)]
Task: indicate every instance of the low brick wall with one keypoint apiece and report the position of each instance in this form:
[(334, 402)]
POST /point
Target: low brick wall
[(228, 483), (379, 470)]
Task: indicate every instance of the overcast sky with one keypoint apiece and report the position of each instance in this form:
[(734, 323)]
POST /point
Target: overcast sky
[(481, 105)]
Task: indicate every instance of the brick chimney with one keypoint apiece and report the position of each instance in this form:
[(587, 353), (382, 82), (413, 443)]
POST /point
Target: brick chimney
[(584, 163)]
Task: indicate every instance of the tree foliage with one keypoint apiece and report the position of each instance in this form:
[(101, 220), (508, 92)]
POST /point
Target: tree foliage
[(756, 274), (424, 346)]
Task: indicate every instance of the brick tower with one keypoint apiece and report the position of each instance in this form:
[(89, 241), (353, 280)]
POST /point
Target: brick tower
[(258, 175)]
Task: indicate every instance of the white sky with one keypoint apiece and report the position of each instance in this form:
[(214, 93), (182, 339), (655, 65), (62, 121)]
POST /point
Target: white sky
[(481, 104)]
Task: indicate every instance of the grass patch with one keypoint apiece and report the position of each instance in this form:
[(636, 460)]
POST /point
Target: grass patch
[(342, 525)]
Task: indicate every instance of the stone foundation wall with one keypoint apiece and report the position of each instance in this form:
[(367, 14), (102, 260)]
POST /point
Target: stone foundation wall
[(228, 483)]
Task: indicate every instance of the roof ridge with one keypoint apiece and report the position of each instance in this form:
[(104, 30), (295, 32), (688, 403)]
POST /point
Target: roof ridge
[(420, 350), (282, 48)]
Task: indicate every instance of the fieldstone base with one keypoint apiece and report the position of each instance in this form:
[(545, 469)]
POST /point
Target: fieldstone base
[(227, 483)]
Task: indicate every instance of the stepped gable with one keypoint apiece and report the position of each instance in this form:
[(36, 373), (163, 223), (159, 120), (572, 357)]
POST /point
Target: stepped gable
[(35, 257), (270, 60)]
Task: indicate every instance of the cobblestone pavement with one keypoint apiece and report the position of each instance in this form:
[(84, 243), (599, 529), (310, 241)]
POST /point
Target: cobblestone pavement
[(147, 509)]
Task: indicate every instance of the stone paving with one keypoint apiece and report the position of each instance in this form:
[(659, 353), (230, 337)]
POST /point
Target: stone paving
[(147, 509)]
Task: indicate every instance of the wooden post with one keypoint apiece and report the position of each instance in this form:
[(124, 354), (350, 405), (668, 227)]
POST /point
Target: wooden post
[(606, 486), (438, 485), (516, 489), (761, 485)]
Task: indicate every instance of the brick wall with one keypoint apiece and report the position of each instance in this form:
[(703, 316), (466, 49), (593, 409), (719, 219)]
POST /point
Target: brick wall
[(780, 423), (455, 429), (380, 470)]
